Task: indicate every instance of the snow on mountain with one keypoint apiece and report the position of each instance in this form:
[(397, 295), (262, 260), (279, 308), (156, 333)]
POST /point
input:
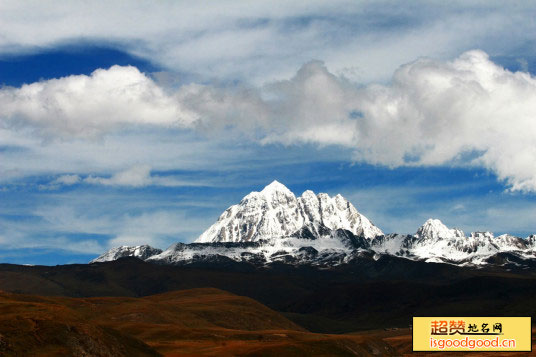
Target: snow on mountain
[(435, 242), (321, 246), (275, 212), (482, 235), (434, 229), (332, 248), (274, 225), (140, 251)]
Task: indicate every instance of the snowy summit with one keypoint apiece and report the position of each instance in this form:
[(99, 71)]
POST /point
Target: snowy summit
[(275, 212), (275, 225)]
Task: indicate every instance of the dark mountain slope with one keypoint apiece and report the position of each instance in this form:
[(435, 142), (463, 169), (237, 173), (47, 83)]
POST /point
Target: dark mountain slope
[(363, 295)]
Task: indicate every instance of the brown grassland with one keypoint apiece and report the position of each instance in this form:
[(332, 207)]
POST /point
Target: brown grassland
[(193, 322)]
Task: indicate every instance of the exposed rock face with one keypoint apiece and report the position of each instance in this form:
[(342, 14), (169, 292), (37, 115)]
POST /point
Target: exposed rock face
[(482, 235)]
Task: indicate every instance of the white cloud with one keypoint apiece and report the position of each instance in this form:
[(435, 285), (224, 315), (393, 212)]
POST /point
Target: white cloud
[(314, 106), (436, 112), (132, 240), (402, 209), (164, 149), (18, 236), (76, 224), (261, 41), (468, 111), (67, 180), (159, 227), (140, 176), (62, 180), (80, 246), (136, 176), (87, 106)]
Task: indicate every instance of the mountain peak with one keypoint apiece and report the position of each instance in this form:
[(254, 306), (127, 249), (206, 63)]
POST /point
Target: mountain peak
[(434, 221), (276, 212), (275, 186), (434, 228), (481, 235), (139, 251)]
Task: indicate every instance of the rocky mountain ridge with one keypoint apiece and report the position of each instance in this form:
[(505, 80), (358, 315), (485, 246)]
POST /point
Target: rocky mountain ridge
[(275, 212), (274, 225)]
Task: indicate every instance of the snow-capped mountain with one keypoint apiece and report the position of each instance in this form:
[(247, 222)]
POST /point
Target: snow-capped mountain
[(435, 242), (434, 229), (333, 247), (274, 225), (140, 251), (275, 212)]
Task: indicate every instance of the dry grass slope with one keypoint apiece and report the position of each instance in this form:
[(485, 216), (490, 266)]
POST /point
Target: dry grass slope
[(182, 323)]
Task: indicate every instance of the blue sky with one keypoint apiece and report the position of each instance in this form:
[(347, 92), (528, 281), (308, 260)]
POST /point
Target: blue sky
[(127, 123)]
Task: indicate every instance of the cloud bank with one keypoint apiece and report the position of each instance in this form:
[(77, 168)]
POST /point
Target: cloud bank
[(468, 111), (88, 106), (259, 41)]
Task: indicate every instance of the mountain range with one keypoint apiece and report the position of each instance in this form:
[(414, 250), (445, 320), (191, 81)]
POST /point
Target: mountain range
[(274, 225), (275, 275)]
